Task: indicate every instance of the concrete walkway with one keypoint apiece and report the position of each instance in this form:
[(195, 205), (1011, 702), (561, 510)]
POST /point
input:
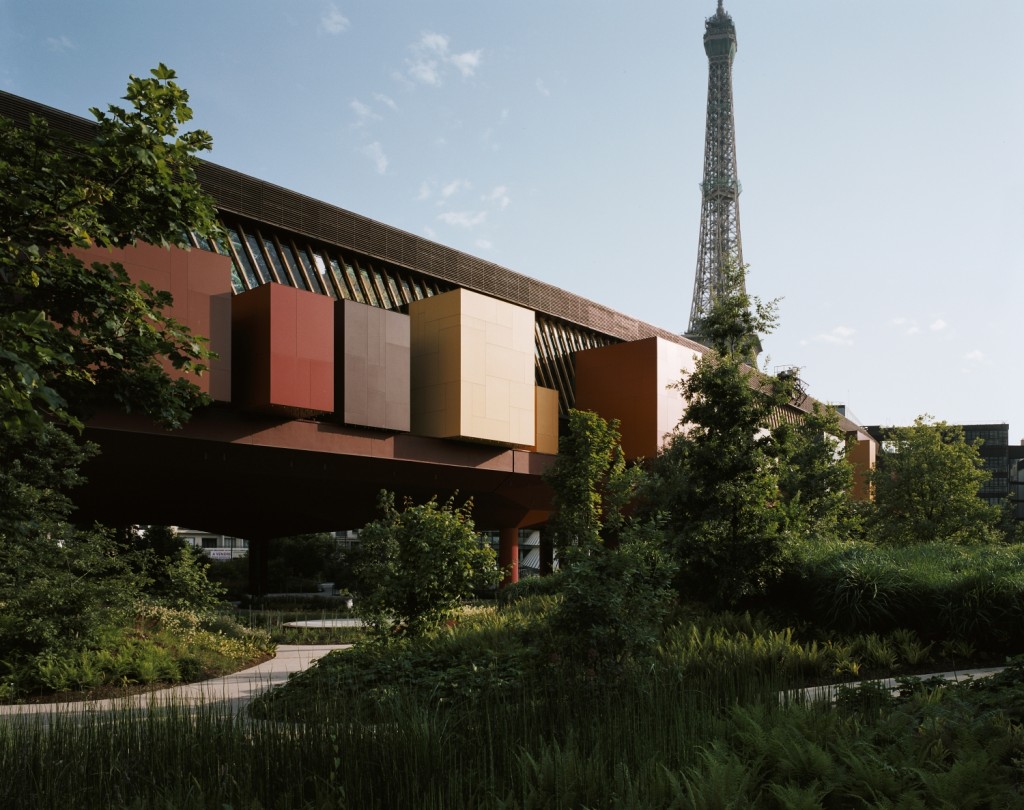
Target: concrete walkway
[(230, 693), (828, 692)]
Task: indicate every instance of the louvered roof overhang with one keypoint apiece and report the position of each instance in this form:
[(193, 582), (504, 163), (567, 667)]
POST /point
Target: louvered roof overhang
[(255, 199)]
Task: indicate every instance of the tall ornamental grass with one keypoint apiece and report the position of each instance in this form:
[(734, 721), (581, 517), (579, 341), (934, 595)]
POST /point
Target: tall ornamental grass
[(943, 592)]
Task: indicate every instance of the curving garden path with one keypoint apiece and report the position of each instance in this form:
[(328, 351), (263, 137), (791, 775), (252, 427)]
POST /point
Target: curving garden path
[(229, 693)]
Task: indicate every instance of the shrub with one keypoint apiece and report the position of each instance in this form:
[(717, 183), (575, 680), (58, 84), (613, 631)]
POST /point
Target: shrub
[(417, 565)]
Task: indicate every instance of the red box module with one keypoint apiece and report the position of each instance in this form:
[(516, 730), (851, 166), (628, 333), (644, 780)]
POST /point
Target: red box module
[(283, 341)]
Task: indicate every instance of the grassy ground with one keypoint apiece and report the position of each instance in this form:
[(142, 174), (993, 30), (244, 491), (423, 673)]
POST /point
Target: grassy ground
[(473, 719)]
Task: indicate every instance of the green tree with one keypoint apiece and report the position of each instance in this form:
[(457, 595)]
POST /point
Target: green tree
[(418, 564), (734, 324), (615, 574), (592, 486), (717, 482), (60, 587), (815, 478), (173, 573), (72, 336), (926, 487)]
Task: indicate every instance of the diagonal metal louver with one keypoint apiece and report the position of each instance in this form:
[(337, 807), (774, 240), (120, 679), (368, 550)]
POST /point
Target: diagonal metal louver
[(261, 254)]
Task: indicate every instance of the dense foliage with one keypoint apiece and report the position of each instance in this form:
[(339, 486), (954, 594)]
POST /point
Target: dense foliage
[(72, 336), (591, 486), (926, 487), (735, 482), (416, 565), (75, 337)]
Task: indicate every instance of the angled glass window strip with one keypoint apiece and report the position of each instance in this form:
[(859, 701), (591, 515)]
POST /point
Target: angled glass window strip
[(353, 283), (394, 288), (219, 244), (544, 376), (367, 284), (385, 288), (300, 263), (258, 259), (241, 258), (379, 285), (323, 276), (406, 290), (281, 270), (339, 277), (564, 363), (293, 267), (561, 380), (236, 279), (316, 279)]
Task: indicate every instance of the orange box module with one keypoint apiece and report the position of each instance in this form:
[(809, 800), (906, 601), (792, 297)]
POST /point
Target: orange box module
[(633, 382)]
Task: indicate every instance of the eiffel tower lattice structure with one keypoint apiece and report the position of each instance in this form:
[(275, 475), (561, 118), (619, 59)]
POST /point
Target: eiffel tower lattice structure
[(720, 245)]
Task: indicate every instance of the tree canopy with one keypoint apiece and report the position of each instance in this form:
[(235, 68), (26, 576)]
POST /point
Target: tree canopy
[(73, 336), (735, 480), (417, 564), (926, 487)]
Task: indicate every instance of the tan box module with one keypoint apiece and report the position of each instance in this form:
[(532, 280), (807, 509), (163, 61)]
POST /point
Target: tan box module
[(472, 361)]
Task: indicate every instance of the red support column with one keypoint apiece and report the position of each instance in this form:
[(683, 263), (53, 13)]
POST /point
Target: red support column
[(508, 555)]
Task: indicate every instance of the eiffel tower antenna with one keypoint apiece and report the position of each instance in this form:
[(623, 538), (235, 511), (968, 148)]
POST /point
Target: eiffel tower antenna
[(720, 246)]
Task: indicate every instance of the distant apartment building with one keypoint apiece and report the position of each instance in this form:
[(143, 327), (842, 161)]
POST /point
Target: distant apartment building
[(1003, 461), (215, 546)]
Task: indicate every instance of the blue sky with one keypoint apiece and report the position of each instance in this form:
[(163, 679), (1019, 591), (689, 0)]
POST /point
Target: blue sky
[(879, 148)]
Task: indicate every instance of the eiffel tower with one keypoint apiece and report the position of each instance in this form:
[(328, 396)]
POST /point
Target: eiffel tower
[(720, 244)]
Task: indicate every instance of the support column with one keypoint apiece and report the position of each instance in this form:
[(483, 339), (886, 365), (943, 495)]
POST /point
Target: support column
[(508, 555)]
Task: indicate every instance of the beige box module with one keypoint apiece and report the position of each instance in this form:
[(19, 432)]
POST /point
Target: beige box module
[(634, 383), (472, 361), (547, 421)]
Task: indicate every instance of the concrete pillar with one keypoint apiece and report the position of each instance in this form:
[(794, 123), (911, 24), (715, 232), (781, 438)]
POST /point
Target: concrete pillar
[(508, 555)]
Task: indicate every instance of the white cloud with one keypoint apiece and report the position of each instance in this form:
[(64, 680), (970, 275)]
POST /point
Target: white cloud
[(977, 356), (906, 325), (375, 152), (542, 88), (840, 336), (364, 114), (498, 195), (432, 58), (425, 71), (434, 43), (333, 21), (454, 187), (387, 101), (463, 219), (424, 192), (429, 232), (467, 62), (60, 44), (938, 325), (484, 244)]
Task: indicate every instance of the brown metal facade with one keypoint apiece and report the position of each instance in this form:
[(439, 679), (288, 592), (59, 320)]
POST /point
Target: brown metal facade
[(273, 234)]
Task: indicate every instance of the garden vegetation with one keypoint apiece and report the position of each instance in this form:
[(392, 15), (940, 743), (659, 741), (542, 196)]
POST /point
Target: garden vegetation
[(662, 666)]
